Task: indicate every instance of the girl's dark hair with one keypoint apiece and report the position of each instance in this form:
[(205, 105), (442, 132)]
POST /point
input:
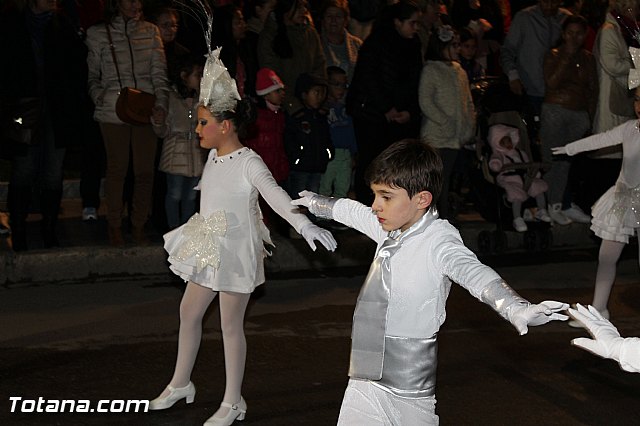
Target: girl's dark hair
[(401, 11), (281, 45), (411, 164), (111, 10), (186, 64), (241, 118), (572, 19), (435, 47)]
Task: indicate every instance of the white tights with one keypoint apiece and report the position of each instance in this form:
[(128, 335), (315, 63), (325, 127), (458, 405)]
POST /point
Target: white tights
[(610, 252), (194, 304)]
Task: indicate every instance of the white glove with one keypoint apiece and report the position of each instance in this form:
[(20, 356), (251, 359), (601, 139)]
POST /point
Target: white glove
[(606, 340), (559, 150), (539, 314), (305, 201), (311, 232)]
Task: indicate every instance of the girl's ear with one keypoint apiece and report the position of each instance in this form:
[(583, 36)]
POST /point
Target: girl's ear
[(424, 199), (183, 75), (226, 126)]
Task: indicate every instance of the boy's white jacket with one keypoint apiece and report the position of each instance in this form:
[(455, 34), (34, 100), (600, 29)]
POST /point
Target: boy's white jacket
[(422, 271)]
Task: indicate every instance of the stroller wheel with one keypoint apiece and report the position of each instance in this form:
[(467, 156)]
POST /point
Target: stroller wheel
[(484, 241), (546, 239), (530, 240), (499, 241)]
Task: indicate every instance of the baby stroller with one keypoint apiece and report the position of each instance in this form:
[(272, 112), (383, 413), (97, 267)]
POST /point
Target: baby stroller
[(494, 206)]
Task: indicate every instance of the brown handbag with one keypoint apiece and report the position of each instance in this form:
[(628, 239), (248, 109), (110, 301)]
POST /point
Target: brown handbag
[(133, 106)]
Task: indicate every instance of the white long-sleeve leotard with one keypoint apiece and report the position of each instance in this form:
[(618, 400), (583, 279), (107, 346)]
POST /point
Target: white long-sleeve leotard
[(232, 183)]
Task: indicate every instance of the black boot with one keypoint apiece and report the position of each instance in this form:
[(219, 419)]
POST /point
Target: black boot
[(50, 206), (18, 200)]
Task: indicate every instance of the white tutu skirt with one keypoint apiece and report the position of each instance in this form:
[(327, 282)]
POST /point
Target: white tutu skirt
[(187, 269), (219, 255), (610, 225)]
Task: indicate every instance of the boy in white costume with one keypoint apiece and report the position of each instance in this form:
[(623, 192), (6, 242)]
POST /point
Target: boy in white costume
[(401, 305)]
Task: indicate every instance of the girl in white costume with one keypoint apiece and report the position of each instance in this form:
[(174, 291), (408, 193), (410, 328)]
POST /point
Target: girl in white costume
[(220, 251), (616, 215)]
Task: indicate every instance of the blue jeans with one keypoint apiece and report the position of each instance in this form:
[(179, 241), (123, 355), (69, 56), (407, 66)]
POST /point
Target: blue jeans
[(180, 201), (39, 165)]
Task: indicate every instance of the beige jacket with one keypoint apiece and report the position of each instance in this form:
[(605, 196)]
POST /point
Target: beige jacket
[(448, 114), (141, 62), (181, 152)]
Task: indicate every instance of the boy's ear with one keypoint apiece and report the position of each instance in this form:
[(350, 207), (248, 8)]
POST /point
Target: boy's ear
[(424, 199)]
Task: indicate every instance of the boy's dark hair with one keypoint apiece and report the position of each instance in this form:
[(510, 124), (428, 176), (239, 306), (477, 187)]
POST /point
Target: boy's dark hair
[(333, 70), (411, 164), (305, 82)]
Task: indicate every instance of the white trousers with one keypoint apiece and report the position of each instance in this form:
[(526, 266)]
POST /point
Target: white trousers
[(368, 405)]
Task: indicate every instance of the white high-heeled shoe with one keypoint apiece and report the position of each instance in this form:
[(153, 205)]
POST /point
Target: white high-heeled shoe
[(236, 412), (175, 394)]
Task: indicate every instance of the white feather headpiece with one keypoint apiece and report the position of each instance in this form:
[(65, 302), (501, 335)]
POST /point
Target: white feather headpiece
[(634, 73), (218, 91)]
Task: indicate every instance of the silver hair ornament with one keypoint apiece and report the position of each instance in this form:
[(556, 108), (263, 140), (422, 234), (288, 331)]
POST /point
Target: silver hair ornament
[(218, 91), (445, 33)]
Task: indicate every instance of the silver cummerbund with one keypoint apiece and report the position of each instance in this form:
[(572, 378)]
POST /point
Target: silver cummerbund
[(409, 368)]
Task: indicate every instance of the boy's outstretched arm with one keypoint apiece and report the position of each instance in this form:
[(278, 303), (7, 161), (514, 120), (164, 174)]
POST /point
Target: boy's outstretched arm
[(349, 212), (518, 311)]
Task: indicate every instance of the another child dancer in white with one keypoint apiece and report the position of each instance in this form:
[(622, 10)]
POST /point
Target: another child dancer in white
[(221, 250), (606, 341), (616, 215)]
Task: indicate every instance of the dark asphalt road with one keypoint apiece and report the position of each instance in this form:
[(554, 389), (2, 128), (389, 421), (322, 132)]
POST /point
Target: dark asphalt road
[(116, 339)]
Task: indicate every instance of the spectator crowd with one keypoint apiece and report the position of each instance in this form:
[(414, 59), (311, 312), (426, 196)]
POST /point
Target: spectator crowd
[(334, 83)]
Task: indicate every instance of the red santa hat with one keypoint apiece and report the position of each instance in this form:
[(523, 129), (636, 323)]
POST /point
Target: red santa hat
[(267, 81)]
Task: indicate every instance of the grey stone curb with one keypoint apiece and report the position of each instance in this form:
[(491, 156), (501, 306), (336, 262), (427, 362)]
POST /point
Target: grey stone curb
[(76, 263)]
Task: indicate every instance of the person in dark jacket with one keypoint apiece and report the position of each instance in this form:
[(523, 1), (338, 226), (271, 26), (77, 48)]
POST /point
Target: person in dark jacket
[(383, 95), (307, 139), (49, 76)]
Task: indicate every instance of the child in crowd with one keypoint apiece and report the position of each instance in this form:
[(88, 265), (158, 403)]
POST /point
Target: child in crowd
[(336, 181), (401, 305), (182, 158), (448, 113), (616, 214), (220, 252), (307, 139), (467, 57), (504, 161), (266, 134)]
